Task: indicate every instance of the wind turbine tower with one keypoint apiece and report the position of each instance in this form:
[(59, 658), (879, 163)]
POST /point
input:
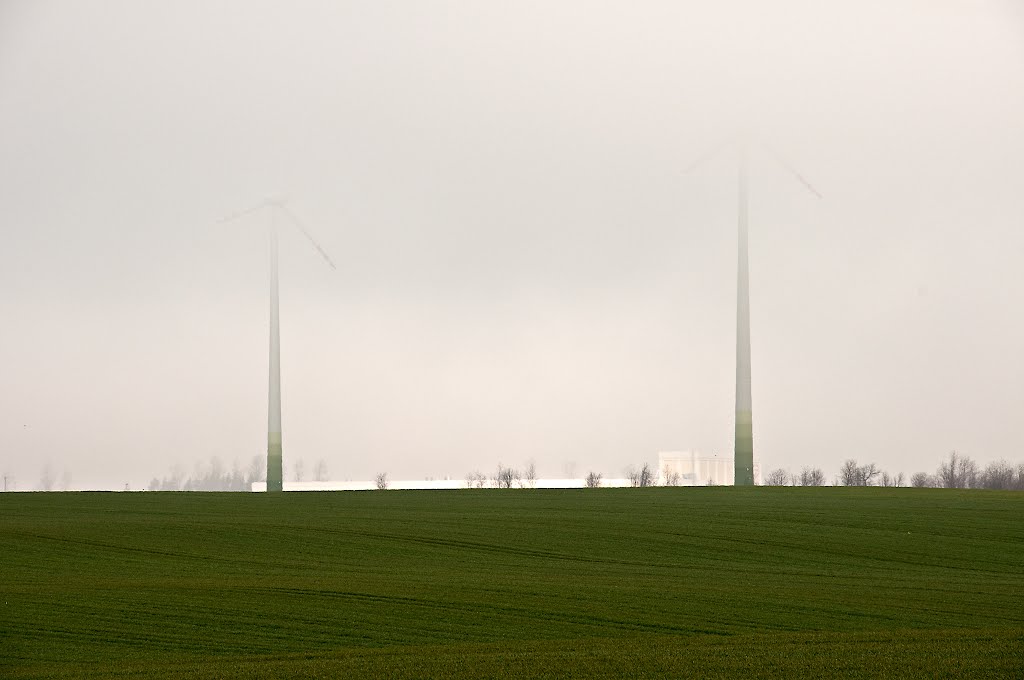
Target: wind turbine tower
[(744, 433), (276, 209), (744, 443)]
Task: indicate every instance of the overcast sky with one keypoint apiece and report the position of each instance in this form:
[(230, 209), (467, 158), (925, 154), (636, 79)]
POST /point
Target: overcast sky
[(525, 268)]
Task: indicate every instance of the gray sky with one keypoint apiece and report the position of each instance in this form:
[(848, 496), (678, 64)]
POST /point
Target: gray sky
[(525, 271)]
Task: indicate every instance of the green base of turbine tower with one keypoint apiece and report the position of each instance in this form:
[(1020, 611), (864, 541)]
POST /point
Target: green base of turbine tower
[(744, 459), (275, 476)]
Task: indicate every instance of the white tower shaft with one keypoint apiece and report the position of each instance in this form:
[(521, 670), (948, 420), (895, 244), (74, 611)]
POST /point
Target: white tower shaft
[(744, 442), (275, 476)]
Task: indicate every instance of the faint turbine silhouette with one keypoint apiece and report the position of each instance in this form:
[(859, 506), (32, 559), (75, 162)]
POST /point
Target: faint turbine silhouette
[(276, 208)]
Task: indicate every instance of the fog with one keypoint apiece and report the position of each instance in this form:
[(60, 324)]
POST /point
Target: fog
[(526, 269)]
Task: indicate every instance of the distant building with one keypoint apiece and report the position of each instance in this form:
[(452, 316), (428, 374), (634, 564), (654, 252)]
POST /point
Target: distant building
[(698, 469)]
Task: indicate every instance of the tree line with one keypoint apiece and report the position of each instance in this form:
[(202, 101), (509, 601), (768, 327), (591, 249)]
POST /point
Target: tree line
[(212, 476), (215, 476), (505, 477), (955, 472)]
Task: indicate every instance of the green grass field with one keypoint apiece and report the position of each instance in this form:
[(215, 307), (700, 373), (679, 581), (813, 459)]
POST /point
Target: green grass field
[(666, 582)]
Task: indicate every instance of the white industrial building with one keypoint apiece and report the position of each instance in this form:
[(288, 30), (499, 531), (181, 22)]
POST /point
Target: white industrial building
[(693, 468)]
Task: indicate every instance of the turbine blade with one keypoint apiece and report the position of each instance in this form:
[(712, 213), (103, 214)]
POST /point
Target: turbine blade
[(708, 155), (305, 232), (782, 161), (242, 213)]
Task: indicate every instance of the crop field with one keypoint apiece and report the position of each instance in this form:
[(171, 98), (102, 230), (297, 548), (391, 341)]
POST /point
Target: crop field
[(664, 582)]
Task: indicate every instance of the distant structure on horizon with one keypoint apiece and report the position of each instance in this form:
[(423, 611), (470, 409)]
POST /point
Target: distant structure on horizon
[(697, 469)]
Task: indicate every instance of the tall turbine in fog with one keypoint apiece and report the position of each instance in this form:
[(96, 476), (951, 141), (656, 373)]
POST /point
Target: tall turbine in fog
[(276, 209), (744, 442)]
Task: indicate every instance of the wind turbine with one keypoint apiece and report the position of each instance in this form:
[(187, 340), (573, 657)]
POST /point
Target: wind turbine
[(276, 208), (744, 442)]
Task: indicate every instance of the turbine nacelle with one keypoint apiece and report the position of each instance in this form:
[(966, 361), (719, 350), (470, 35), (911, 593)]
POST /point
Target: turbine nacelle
[(278, 204), (743, 143)]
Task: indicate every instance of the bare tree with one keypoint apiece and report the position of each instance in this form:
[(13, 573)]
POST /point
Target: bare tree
[(648, 476), (946, 475), (777, 477), (643, 477), (891, 480), (999, 475), (852, 474), (505, 477), (173, 481), (300, 470), (257, 470), (320, 471), (849, 473), (46, 480), (593, 480), (237, 480), (382, 481), (530, 475), (959, 472), (812, 476), (921, 480), (476, 480)]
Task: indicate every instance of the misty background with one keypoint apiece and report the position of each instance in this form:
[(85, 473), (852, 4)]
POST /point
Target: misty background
[(526, 271)]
